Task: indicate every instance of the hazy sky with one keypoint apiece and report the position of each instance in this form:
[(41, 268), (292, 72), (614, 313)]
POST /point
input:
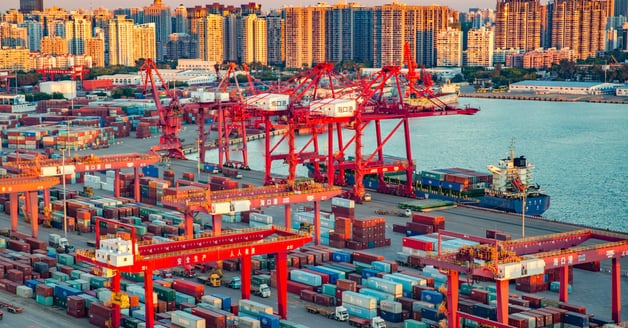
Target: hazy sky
[(462, 5)]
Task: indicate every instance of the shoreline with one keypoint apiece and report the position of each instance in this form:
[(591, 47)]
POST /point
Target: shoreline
[(600, 99)]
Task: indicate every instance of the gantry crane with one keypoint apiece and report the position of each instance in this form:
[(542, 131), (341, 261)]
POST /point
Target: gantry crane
[(170, 114), (503, 261), (75, 72), (115, 255), (322, 99)]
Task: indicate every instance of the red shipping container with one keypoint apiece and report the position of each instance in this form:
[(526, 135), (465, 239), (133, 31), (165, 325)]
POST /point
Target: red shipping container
[(189, 288), (212, 319), (417, 244), (480, 295), (428, 219), (366, 257), (419, 227), (296, 287), (573, 308), (308, 295), (324, 300), (346, 284)]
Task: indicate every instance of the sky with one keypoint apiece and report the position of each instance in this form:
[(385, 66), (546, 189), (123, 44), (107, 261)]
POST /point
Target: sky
[(461, 5)]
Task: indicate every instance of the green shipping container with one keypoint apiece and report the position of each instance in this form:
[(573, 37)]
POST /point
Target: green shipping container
[(44, 300), (409, 323), (60, 276), (165, 293), (99, 282), (329, 289), (65, 259)]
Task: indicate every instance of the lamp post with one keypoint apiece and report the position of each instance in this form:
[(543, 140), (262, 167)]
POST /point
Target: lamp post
[(198, 160), (523, 212), (65, 213)]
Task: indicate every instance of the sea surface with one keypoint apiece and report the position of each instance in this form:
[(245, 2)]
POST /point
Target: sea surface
[(580, 151)]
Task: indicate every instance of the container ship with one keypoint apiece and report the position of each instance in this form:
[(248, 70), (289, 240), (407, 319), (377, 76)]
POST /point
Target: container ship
[(504, 187)]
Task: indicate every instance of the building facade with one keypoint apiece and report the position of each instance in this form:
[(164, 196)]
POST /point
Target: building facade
[(211, 38), (27, 6), (449, 47), (144, 43), (121, 41), (518, 24), (274, 38), (480, 45), (580, 25), (298, 36), (159, 14)]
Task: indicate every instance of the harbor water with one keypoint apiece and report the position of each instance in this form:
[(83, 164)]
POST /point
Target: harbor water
[(579, 151)]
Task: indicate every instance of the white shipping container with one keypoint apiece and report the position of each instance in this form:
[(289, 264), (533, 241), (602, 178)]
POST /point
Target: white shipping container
[(334, 107), (262, 218), (222, 96), (246, 322), (343, 202), (241, 205), (221, 208), (367, 302), (187, 320), (203, 96), (268, 101), (388, 306), (215, 302)]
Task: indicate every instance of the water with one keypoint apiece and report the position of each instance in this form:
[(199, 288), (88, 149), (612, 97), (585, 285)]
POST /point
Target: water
[(579, 151)]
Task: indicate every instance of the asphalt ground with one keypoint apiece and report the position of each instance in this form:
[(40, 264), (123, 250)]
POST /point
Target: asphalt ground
[(591, 289)]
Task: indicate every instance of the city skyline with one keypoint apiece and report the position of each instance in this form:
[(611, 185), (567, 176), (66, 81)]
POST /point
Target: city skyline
[(459, 5)]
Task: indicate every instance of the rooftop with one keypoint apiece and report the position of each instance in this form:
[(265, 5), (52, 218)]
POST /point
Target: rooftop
[(560, 83)]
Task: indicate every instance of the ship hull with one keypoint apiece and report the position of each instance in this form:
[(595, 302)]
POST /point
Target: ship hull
[(535, 205)]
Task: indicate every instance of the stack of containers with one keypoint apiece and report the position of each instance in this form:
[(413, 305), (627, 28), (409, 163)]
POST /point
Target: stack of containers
[(327, 223), (193, 289), (252, 308), (424, 223), (302, 280), (407, 282), (382, 289), (343, 285), (359, 305), (44, 294), (184, 319), (258, 220), (390, 311), (99, 315), (76, 306), (342, 232), (369, 232), (342, 207)]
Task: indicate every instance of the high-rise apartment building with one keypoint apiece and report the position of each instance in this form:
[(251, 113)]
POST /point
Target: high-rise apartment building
[(78, 29), (53, 19), (449, 47), (319, 13), (231, 34), (15, 59), (144, 43), (518, 24), (422, 25), (621, 8), (211, 38), (12, 16), (12, 36), (54, 45), (298, 36), (121, 41), (480, 45), (95, 48), (579, 25), (159, 14), (339, 32), (180, 20), (27, 6), (363, 36), (182, 45), (253, 40), (275, 42), (389, 34), (34, 33)]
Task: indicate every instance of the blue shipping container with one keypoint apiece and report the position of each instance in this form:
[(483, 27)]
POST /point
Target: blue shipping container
[(431, 296), (268, 320), (432, 314), (576, 319), (391, 317), (367, 273), (65, 291), (341, 257), (360, 312), (226, 301)]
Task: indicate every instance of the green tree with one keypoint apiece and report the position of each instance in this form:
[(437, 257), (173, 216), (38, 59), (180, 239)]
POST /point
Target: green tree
[(58, 95)]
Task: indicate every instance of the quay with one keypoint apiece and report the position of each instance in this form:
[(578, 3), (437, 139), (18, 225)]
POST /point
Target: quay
[(601, 99)]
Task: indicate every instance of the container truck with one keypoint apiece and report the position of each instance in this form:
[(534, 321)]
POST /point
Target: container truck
[(376, 322), (339, 313), (262, 291), (60, 243)]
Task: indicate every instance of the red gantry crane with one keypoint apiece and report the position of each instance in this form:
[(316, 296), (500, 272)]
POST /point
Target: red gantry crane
[(503, 261), (365, 104), (115, 255), (170, 113)]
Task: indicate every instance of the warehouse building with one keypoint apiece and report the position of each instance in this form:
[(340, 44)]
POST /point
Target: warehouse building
[(565, 88)]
